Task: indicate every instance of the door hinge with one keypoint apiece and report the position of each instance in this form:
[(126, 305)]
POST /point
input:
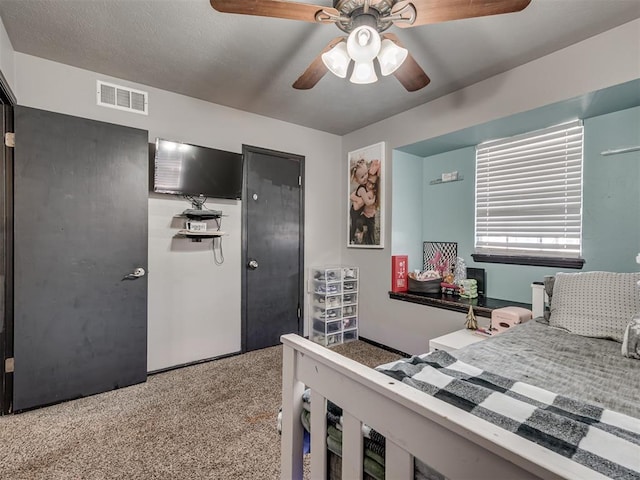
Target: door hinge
[(10, 139), (9, 365), (299, 180), (299, 313)]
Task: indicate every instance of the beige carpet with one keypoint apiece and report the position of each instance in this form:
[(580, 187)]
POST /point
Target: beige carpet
[(215, 420)]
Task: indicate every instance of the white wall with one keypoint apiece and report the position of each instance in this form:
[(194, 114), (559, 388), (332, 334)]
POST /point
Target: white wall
[(7, 60), (607, 59), (194, 305)]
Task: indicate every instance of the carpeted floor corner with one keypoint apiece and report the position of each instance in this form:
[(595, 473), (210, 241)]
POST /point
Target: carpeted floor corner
[(216, 420)]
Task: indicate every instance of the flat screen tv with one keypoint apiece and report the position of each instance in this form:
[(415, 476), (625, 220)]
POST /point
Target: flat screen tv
[(184, 169)]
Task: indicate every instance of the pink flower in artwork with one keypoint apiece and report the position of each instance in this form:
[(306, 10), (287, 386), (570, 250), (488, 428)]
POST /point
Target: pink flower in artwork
[(440, 264)]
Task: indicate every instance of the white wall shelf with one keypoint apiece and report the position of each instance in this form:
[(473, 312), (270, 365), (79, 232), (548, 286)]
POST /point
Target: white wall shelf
[(201, 214), (205, 234), (438, 181)]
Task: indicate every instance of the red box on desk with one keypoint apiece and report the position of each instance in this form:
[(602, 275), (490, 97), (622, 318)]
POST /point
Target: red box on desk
[(399, 271)]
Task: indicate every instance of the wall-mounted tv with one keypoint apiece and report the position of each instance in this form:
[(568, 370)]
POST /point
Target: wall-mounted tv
[(184, 169)]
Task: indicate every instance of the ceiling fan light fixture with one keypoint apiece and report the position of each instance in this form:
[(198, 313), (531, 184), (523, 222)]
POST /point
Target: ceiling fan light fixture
[(391, 57), (363, 21), (363, 73), (337, 60), (363, 44)]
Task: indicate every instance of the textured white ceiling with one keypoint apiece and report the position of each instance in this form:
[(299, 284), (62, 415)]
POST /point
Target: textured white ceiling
[(249, 63)]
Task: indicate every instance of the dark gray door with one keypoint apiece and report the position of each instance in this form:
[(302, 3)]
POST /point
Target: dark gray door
[(80, 226), (6, 257), (272, 247)]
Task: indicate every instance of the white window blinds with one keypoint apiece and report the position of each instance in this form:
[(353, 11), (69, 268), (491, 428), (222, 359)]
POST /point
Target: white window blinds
[(529, 194)]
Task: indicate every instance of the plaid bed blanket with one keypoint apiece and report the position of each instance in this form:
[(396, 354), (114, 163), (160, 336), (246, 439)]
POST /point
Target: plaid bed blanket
[(603, 440)]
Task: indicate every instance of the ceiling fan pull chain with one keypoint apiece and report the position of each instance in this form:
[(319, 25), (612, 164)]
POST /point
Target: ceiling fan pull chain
[(399, 15)]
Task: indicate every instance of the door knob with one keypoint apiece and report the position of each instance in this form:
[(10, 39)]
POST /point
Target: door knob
[(253, 264), (137, 273)]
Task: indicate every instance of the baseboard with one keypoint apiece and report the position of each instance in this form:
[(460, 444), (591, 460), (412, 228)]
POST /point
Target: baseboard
[(220, 357), (385, 347), (190, 364)]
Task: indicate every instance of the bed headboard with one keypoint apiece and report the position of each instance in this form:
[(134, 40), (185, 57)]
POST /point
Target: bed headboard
[(538, 299)]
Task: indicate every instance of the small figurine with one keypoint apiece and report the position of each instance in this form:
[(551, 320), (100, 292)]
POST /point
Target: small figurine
[(471, 322)]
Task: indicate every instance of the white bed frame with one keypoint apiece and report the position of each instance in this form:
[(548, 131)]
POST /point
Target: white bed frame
[(457, 444)]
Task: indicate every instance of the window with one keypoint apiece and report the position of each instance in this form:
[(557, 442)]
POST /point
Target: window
[(529, 198)]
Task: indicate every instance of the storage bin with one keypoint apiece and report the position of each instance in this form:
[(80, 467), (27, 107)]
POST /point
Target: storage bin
[(350, 287), (333, 327), (350, 323), (334, 304), (425, 286), (350, 335), (350, 299), (328, 314), (349, 310)]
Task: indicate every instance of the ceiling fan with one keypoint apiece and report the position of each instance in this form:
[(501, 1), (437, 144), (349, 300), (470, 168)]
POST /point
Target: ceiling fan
[(364, 21)]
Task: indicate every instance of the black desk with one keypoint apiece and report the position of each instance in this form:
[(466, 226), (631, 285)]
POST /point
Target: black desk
[(482, 306)]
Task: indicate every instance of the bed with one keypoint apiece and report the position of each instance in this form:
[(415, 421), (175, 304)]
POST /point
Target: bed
[(579, 394)]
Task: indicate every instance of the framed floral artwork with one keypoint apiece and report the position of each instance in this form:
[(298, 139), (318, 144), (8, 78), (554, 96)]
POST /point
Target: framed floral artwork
[(365, 221)]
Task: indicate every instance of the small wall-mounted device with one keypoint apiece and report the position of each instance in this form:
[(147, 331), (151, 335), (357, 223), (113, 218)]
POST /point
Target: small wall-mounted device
[(449, 177), (193, 226)]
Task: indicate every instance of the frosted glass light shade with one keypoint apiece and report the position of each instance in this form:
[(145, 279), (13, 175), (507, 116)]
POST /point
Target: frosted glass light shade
[(363, 44), (337, 60), (391, 56), (363, 72)]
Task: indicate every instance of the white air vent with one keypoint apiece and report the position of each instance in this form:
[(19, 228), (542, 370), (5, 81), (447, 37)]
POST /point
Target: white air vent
[(122, 98)]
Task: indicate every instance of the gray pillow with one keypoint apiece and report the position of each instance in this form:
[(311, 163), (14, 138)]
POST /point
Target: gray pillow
[(631, 338), (595, 304)]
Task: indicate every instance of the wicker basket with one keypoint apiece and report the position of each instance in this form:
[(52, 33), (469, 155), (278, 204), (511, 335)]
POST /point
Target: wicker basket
[(425, 286)]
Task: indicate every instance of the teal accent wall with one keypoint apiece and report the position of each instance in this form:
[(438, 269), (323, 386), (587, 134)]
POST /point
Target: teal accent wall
[(611, 214), (406, 211), (611, 206), (447, 216)]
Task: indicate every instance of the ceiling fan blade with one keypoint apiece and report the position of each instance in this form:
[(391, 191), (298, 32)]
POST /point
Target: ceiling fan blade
[(316, 70), (410, 74), (435, 11), (275, 8)]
